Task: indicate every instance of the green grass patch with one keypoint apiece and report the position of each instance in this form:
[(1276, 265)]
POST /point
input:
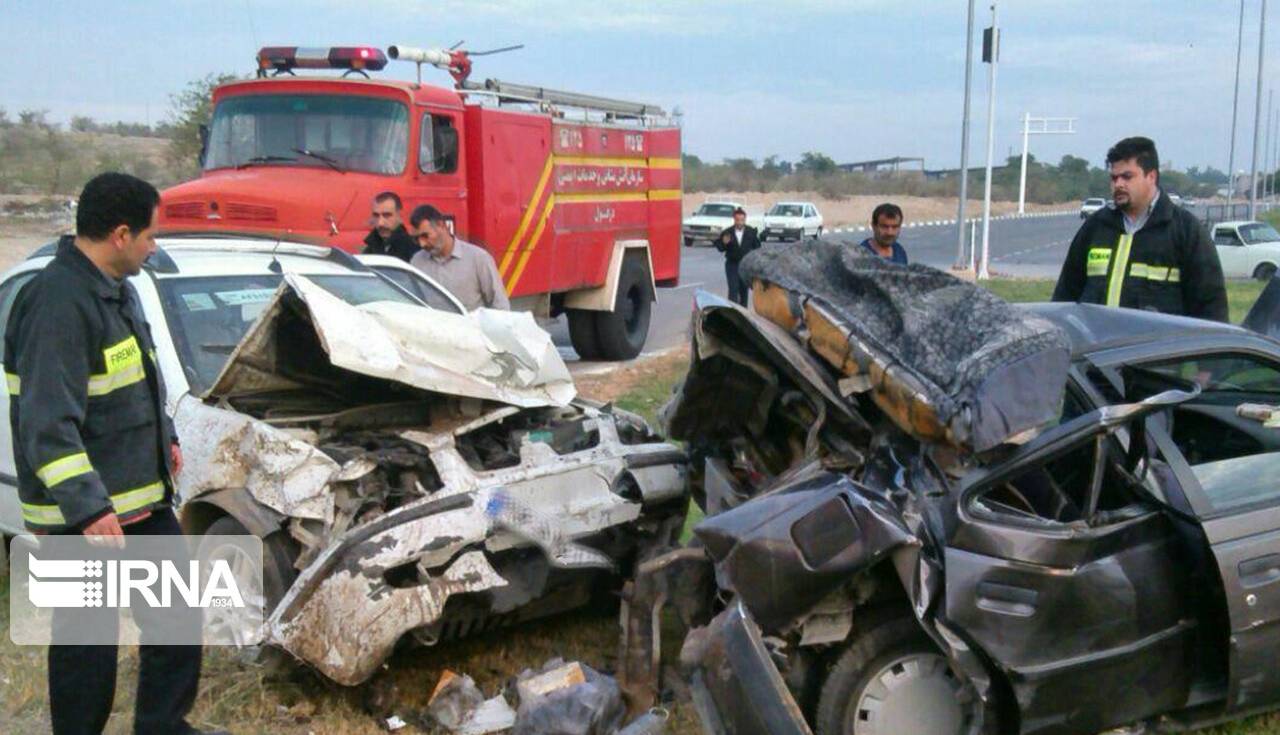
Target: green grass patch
[(1240, 293)]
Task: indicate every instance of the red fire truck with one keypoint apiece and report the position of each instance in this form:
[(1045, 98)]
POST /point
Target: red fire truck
[(577, 197)]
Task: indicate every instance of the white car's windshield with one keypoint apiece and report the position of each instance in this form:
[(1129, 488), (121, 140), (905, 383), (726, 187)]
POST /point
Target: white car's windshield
[(786, 210), (208, 316), (1259, 232), (715, 210), (325, 131), (1095, 202)]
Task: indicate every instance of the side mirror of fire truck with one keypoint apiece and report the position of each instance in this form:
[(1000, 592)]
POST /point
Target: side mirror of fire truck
[(204, 143)]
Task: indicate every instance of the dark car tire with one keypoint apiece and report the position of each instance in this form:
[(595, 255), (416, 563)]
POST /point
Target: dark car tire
[(1264, 271), (817, 234), (894, 647), (582, 333), (688, 242), (621, 333), (278, 555)]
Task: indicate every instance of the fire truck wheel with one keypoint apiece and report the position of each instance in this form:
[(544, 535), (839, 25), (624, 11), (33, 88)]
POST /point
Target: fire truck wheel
[(582, 332), (621, 333)]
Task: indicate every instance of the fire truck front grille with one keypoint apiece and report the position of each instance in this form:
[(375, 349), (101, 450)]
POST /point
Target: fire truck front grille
[(251, 212), (185, 210)]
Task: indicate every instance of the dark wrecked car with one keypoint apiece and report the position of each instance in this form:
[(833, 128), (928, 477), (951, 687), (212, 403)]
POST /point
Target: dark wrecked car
[(1060, 519)]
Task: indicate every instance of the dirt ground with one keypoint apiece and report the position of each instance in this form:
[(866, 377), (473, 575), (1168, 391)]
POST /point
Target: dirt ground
[(856, 210)]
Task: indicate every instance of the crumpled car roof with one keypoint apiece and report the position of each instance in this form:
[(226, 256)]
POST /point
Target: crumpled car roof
[(486, 354), (947, 360)]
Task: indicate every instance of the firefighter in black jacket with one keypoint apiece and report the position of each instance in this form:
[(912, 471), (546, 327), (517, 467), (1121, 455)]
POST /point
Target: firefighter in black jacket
[(735, 242), (1144, 252), (94, 448)]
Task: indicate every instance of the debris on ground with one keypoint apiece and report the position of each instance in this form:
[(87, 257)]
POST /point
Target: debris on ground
[(567, 706), (459, 706), (394, 723), (653, 722)]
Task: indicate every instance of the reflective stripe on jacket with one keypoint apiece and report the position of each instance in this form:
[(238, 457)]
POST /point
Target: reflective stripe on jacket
[(86, 401), (1170, 265)]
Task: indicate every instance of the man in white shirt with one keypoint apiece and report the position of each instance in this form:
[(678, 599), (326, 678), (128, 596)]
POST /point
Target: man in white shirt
[(466, 270)]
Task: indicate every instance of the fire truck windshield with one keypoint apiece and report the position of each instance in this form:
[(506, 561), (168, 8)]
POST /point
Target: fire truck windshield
[(345, 133)]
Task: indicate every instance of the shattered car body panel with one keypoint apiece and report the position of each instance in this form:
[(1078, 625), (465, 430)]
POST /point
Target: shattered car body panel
[(1076, 579), (424, 474), (492, 355)]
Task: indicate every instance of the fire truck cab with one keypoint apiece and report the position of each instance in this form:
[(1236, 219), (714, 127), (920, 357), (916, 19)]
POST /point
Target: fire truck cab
[(576, 197)]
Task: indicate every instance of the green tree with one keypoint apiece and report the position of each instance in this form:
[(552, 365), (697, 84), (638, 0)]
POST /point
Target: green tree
[(83, 124), (189, 109), (818, 164)]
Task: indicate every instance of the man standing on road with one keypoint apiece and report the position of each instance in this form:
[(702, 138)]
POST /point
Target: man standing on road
[(465, 270), (388, 236), (735, 242), (886, 224), (1143, 252), (94, 449)]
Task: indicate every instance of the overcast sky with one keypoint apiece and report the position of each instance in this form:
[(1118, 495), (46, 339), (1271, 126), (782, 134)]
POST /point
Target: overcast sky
[(855, 79)]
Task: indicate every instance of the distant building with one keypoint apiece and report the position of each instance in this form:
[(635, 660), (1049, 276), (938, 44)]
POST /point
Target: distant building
[(882, 165)]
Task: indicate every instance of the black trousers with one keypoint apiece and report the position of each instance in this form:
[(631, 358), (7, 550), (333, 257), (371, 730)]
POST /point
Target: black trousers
[(737, 287), (82, 679)]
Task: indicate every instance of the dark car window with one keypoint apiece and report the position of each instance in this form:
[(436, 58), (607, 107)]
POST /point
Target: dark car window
[(1224, 373), (208, 316), (1234, 483), (420, 287)]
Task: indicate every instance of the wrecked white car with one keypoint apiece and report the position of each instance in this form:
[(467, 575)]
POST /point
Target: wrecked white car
[(411, 470)]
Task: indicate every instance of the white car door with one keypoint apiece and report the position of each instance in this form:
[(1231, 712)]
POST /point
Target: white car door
[(10, 507), (1232, 253)]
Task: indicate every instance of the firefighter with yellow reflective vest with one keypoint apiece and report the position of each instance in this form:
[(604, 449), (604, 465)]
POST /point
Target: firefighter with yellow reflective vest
[(94, 447), (1143, 252)]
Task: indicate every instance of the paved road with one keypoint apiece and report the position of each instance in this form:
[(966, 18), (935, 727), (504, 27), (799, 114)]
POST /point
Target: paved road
[(1026, 247)]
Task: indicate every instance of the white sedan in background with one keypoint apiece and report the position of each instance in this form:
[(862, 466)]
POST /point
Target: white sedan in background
[(792, 221), (1247, 249)]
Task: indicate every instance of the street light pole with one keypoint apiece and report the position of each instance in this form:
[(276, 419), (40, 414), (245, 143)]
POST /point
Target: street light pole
[(1022, 180), (1266, 147), (1257, 113), (1235, 107), (993, 54), (964, 139)]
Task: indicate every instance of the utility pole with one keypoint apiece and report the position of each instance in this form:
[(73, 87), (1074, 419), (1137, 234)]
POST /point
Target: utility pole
[(964, 139), (1235, 107), (1043, 126), (1257, 113), (1266, 147), (990, 55)]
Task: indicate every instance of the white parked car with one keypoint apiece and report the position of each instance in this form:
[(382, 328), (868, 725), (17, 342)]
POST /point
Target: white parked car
[(1247, 249), (1091, 205), (792, 221), (710, 219), (390, 455)]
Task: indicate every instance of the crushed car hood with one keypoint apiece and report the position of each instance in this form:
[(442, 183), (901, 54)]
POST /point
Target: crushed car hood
[(304, 331)]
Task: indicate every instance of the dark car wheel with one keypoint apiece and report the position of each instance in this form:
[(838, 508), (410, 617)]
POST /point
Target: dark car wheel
[(1264, 271), (688, 242), (621, 333), (892, 679)]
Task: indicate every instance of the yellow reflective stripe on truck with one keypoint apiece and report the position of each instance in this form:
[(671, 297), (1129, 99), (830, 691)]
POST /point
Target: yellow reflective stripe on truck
[(64, 468), (14, 383), (123, 503), (1118, 270), (124, 368)]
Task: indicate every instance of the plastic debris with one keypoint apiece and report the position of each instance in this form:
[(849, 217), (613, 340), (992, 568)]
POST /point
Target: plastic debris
[(590, 707), (455, 698), (394, 723), (653, 722)]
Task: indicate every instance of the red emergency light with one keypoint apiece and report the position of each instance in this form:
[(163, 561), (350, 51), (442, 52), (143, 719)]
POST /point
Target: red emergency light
[(287, 58)]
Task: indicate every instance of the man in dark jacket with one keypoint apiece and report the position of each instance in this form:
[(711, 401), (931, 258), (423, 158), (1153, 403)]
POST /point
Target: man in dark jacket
[(735, 242), (1143, 252), (94, 449), (388, 236)]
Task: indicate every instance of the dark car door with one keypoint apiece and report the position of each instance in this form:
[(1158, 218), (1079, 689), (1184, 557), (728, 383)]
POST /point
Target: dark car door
[(1228, 464), (1063, 568)]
